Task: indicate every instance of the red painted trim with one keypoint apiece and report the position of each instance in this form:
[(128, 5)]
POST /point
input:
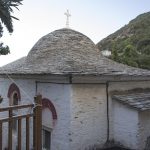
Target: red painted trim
[(13, 88), (46, 103)]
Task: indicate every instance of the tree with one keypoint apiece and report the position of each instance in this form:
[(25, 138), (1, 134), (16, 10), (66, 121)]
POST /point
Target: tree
[(130, 56), (115, 55), (6, 18)]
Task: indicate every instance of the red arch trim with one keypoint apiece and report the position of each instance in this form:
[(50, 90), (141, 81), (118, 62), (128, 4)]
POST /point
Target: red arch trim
[(14, 88), (46, 103)]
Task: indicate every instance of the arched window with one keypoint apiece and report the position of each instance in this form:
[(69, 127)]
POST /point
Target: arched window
[(14, 101), (13, 94), (14, 98), (49, 115), (46, 103)]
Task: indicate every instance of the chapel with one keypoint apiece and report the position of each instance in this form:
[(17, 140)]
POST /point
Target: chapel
[(88, 100)]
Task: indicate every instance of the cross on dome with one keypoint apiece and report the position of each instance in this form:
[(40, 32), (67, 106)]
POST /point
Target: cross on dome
[(67, 15)]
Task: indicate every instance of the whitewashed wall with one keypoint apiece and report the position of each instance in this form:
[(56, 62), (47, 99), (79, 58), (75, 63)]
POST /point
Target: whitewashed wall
[(59, 94), (81, 110), (144, 128), (125, 125), (123, 86), (89, 121), (27, 90), (131, 127)]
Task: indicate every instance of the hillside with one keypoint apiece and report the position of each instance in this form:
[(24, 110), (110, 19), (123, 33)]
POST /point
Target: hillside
[(130, 44)]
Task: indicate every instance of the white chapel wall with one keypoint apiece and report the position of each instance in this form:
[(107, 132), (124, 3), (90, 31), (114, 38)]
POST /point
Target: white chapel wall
[(59, 95), (27, 90), (4, 85), (89, 117)]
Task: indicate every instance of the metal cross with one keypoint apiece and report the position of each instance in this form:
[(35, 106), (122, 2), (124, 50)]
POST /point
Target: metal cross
[(68, 15)]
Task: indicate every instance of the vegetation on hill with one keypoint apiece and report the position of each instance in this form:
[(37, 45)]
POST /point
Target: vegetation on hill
[(130, 44), (6, 10)]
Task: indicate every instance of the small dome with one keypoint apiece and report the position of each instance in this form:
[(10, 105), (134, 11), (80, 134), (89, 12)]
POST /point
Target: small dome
[(66, 51), (63, 49)]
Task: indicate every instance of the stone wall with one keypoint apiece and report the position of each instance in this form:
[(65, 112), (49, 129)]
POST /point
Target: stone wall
[(89, 117)]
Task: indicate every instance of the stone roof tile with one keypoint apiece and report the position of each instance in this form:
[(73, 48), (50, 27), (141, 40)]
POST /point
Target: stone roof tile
[(66, 51), (140, 101)]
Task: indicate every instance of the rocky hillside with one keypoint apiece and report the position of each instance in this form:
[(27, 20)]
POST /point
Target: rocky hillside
[(130, 44)]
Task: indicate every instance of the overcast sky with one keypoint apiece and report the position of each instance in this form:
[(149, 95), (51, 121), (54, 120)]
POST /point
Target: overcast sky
[(94, 18)]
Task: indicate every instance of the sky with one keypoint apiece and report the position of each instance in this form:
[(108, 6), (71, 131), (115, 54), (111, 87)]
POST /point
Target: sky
[(95, 18)]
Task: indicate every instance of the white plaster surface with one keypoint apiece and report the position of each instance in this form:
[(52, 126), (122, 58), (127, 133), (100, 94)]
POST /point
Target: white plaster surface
[(27, 90), (125, 125), (144, 128), (59, 94)]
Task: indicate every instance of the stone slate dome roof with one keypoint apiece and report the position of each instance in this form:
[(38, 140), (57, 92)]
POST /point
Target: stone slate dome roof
[(66, 51), (63, 49)]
